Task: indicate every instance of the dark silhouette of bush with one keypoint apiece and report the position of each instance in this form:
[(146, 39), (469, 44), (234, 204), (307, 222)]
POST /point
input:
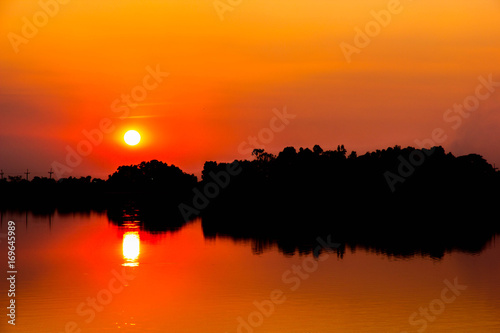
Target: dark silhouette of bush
[(331, 190), (151, 183), (153, 177), (290, 198)]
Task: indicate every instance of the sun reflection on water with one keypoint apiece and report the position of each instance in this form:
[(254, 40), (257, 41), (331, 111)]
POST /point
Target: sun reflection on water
[(131, 248)]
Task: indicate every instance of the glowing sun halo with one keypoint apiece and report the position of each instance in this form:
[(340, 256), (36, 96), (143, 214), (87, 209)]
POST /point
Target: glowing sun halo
[(132, 137)]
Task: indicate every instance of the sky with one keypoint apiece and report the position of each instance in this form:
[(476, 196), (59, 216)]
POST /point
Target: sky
[(201, 80)]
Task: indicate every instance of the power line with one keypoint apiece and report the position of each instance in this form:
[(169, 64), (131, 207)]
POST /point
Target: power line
[(26, 173)]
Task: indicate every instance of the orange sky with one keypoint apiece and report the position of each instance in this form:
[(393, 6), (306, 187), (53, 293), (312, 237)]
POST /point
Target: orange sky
[(226, 77)]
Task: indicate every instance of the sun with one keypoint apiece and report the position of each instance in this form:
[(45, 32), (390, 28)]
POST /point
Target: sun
[(132, 137)]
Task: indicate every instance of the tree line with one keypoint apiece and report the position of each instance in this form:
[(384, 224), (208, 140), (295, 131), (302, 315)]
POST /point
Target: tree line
[(304, 182), (396, 200)]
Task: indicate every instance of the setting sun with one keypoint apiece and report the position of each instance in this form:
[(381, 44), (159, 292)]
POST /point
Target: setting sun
[(132, 137)]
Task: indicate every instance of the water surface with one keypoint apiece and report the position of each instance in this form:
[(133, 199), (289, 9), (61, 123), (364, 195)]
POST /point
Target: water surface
[(81, 272)]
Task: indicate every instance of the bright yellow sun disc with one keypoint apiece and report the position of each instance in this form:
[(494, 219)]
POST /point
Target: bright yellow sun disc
[(132, 137)]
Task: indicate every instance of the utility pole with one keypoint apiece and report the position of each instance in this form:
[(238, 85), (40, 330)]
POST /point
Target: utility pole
[(50, 173), (27, 173)]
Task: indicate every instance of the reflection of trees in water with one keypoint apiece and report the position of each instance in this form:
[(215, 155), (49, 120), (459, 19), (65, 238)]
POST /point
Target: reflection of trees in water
[(288, 200), (388, 239), (299, 235), (445, 203), (151, 218)]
